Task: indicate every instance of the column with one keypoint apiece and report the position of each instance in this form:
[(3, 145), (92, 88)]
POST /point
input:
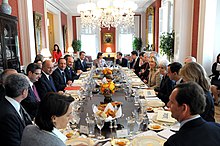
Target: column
[(26, 31), (183, 20)]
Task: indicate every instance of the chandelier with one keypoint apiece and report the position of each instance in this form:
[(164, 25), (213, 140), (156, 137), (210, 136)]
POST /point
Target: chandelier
[(107, 13)]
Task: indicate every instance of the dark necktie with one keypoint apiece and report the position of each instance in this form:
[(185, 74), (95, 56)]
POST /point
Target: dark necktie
[(35, 93), (64, 76), (52, 84), (25, 116)]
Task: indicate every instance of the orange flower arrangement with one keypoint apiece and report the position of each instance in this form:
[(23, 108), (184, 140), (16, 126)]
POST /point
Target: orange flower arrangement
[(108, 88), (107, 71)]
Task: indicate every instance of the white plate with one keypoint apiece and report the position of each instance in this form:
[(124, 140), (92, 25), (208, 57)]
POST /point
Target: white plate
[(114, 142), (152, 127), (148, 141), (78, 141)]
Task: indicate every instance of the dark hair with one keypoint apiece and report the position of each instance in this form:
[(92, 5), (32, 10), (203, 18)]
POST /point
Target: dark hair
[(99, 54), (67, 56), (80, 53), (60, 59), (192, 94), (15, 84), (39, 57), (32, 67), (175, 67), (119, 53), (134, 53), (218, 58), (142, 54), (53, 104), (58, 48)]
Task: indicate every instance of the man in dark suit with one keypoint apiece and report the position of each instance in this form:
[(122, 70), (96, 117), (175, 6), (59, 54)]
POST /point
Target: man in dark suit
[(4, 75), (46, 84), (59, 76), (13, 118), (134, 65), (70, 73), (80, 64), (173, 72), (186, 102), (121, 61), (144, 71), (31, 103)]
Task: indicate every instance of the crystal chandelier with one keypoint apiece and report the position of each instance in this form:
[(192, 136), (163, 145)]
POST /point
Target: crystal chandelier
[(107, 13)]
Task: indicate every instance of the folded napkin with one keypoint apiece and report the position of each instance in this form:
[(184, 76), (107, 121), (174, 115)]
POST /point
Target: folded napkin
[(166, 133)]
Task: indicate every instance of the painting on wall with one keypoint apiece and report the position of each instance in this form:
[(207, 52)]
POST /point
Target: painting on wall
[(108, 38), (37, 31)]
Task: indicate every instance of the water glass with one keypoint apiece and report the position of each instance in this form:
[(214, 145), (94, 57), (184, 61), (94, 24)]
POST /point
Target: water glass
[(91, 126), (130, 125)]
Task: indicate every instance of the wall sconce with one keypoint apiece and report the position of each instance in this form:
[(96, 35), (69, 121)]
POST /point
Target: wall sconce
[(108, 50), (46, 53)]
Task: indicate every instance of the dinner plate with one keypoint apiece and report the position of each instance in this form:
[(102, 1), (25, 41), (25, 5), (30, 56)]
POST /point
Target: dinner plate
[(148, 141), (78, 141), (155, 127), (116, 142)]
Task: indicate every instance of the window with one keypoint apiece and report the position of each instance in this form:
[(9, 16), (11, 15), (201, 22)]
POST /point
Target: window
[(89, 44), (125, 43)]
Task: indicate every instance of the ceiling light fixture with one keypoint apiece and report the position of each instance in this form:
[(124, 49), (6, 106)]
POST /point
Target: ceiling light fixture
[(107, 13)]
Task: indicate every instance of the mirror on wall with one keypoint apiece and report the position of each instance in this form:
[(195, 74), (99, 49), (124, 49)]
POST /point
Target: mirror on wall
[(37, 31), (150, 37)]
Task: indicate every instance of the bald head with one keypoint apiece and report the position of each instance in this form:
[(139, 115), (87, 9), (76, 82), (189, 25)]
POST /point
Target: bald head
[(47, 67), (6, 73), (189, 59)]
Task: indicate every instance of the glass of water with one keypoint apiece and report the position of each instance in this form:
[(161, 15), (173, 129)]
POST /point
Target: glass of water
[(130, 125)]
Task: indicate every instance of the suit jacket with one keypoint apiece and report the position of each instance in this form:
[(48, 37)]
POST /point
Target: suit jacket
[(30, 103), (196, 133), (80, 65), (11, 124), (58, 79), (135, 65), (154, 78), (123, 63), (44, 86), (209, 112), (165, 89), (144, 75), (2, 91), (71, 74)]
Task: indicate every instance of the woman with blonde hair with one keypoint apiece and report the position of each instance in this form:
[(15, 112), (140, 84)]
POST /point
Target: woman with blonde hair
[(195, 72), (154, 78)]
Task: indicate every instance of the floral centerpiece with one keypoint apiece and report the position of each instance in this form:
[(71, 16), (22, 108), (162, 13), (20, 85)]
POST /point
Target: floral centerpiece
[(107, 87)]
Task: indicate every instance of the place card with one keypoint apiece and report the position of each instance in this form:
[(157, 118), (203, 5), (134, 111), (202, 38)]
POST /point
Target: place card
[(122, 133), (84, 129)]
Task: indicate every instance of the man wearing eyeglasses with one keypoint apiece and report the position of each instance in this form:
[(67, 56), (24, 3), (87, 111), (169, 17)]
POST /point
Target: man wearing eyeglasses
[(32, 101)]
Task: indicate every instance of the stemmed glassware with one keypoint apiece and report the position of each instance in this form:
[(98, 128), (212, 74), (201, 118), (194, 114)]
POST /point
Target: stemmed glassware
[(139, 120), (100, 123)]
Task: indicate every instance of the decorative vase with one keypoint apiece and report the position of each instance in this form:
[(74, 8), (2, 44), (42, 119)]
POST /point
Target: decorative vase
[(5, 7), (108, 98)]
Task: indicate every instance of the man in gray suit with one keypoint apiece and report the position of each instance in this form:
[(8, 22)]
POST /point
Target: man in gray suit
[(13, 118)]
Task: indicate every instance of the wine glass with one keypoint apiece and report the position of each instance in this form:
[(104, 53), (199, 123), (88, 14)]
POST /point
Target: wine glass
[(139, 120), (100, 123)]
